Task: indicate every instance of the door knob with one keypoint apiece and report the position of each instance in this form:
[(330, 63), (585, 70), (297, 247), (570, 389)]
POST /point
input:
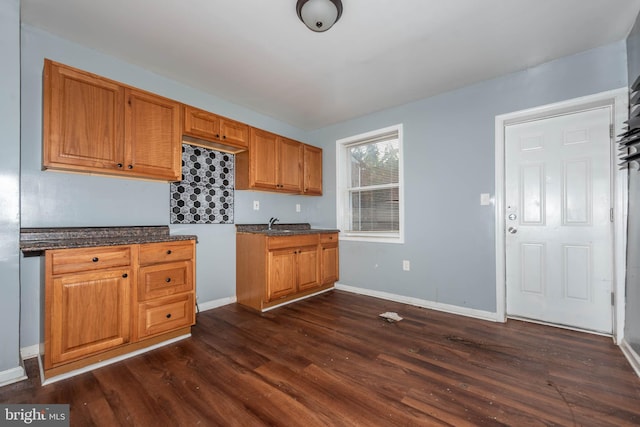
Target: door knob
[(512, 230)]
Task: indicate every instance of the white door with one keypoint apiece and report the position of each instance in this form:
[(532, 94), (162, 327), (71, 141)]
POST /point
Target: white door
[(559, 244)]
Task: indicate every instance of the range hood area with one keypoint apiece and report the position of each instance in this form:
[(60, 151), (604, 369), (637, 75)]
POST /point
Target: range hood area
[(212, 145)]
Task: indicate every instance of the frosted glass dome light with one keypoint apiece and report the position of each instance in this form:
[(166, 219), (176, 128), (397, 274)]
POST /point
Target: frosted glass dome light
[(319, 15)]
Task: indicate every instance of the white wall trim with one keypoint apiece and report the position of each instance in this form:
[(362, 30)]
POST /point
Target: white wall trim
[(632, 356), (297, 299), (30, 351), (12, 375), (447, 308), (618, 100), (210, 305), (47, 381)]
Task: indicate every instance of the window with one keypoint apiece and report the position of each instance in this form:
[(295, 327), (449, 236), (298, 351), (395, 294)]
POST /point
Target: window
[(370, 205)]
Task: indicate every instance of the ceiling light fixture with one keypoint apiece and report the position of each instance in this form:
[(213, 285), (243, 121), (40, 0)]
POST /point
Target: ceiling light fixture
[(319, 15)]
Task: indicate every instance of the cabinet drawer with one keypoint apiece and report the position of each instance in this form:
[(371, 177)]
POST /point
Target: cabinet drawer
[(165, 314), (165, 279), (86, 259), (151, 253), (329, 238), (280, 242)]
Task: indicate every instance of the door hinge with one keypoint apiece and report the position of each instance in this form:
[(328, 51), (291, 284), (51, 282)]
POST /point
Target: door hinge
[(611, 130), (611, 214), (613, 298)]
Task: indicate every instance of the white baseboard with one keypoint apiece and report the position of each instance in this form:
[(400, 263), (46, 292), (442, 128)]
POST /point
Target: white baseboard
[(632, 356), (209, 305), (50, 380), (296, 299), (30, 351), (448, 308), (12, 375)]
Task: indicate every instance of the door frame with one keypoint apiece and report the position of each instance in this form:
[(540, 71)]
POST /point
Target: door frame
[(618, 100)]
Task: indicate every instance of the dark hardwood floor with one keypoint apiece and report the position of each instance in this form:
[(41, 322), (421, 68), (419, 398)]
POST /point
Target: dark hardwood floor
[(331, 361)]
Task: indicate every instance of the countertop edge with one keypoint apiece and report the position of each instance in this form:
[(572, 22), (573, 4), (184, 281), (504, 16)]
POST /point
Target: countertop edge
[(33, 246)]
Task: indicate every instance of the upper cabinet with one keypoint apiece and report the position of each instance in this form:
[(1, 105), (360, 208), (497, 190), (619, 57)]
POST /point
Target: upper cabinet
[(312, 170), (211, 127), (93, 124), (276, 163), (272, 163), (96, 125)]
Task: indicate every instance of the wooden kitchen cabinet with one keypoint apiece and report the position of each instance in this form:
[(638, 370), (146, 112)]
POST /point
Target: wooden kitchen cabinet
[(166, 288), (272, 163), (102, 302), (292, 269), (312, 170), (96, 125), (211, 127), (271, 270), (329, 271), (87, 302)]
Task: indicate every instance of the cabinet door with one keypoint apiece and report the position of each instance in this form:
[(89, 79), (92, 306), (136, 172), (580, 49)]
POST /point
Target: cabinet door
[(82, 120), (312, 170), (329, 263), (152, 136), (281, 267), (262, 164), (234, 133), (201, 124), (87, 313), (289, 165), (307, 266)]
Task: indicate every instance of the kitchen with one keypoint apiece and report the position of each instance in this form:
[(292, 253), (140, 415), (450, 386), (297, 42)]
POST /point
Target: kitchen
[(63, 199)]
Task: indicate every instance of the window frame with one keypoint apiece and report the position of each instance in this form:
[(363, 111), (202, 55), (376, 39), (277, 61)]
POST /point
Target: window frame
[(343, 214)]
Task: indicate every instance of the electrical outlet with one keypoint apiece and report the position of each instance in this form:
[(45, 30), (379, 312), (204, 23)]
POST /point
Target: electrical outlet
[(256, 205), (406, 265), (297, 207)]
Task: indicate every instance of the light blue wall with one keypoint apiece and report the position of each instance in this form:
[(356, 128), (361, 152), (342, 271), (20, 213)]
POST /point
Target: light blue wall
[(55, 199), (9, 188), (449, 161), (632, 314)]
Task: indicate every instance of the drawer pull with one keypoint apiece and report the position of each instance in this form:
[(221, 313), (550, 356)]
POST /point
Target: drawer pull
[(169, 316), (169, 252), (95, 259), (168, 279), (125, 275)]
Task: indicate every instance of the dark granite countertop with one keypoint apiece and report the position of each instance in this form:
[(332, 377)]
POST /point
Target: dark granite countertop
[(282, 229), (33, 240)]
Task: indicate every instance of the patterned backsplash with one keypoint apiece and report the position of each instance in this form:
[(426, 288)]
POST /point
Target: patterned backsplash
[(205, 194)]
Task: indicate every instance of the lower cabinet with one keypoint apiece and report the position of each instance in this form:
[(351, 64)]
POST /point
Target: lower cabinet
[(89, 313), (271, 270), (107, 301)]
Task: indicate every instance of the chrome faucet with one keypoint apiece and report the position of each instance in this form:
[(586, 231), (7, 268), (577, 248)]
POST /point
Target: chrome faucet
[(272, 221)]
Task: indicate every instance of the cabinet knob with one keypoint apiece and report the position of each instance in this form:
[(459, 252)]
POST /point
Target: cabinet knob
[(130, 167), (95, 259), (169, 316), (224, 136), (125, 275), (217, 135), (168, 279), (119, 165), (169, 252)]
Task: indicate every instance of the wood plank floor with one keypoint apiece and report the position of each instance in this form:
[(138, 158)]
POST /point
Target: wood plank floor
[(331, 361)]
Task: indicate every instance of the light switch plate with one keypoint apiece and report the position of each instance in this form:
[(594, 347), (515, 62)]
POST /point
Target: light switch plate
[(256, 205), (485, 199)]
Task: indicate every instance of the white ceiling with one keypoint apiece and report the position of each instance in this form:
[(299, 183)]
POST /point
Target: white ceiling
[(381, 53)]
